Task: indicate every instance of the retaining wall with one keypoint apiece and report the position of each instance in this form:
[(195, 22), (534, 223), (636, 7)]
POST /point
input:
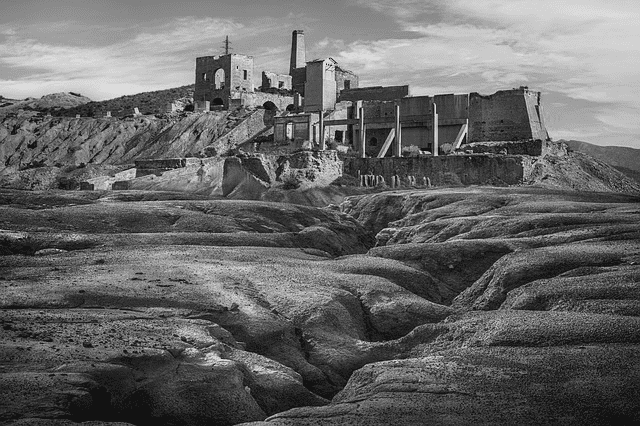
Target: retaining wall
[(474, 169)]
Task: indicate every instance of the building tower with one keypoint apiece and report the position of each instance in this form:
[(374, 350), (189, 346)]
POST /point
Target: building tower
[(298, 55)]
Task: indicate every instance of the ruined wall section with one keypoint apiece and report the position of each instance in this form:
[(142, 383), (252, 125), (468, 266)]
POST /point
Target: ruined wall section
[(237, 76), (259, 99), (272, 80), (299, 80), (320, 90), (375, 93), (536, 120), (507, 115), (345, 80), (446, 170)]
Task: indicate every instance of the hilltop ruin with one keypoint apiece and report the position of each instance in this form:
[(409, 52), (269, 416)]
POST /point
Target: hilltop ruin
[(327, 105)]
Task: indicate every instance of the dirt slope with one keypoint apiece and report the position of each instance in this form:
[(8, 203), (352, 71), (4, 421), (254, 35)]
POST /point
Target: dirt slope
[(36, 151)]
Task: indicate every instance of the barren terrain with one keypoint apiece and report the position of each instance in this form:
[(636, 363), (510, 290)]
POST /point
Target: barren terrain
[(446, 306)]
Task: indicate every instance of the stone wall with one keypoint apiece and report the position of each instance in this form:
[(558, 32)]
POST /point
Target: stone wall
[(259, 99), (299, 79), (529, 147), (275, 81), (157, 167), (446, 170), (376, 93), (507, 115), (238, 77), (345, 80)]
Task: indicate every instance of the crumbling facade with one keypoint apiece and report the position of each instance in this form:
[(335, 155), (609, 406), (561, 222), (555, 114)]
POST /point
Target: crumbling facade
[(271, 80), (221, 78), (329, 106)]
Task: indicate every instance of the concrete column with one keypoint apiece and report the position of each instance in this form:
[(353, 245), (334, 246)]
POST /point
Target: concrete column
[(363, 146), (435, 131), (310, 129), (398, 151), (323, 144)]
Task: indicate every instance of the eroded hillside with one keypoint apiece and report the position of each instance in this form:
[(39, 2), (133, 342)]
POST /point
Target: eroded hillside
[(477, 306), (36, 150)]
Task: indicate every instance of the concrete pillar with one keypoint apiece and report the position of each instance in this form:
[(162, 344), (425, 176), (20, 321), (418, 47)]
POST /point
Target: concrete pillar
[(398, 151), (436, 146), (297, 101), (363, 145), (323, 144), (310, 129)]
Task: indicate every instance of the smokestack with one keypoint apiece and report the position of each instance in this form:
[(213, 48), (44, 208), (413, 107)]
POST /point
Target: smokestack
[(298, 59)]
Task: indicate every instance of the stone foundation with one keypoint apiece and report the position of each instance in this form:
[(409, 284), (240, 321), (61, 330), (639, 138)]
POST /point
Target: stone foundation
[(474, 169), (532, 147)]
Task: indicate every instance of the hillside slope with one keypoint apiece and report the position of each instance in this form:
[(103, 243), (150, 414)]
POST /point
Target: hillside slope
[(72, 104), (48, 103), (617, 156), (147, 102), (30, 145)]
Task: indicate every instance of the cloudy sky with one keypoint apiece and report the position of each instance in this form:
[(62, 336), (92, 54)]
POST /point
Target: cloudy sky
[(584, 55)]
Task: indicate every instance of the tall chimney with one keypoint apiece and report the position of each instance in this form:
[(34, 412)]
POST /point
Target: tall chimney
[(298, 59)]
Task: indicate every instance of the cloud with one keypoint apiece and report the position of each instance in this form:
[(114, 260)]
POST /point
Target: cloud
[(160, 57), (583, 50)]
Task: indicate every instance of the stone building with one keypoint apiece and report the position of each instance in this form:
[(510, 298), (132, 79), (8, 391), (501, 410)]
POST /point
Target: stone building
[(328, 105), (221, 78), (272, 80)]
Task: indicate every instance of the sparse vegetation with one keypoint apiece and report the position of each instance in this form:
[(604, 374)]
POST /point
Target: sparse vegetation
[(148, 103)]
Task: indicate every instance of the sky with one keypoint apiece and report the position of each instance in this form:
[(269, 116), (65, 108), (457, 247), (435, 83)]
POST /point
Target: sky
[(583, 55)]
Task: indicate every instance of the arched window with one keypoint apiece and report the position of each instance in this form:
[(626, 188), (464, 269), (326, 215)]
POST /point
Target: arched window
[(219, 79), (270, 106)]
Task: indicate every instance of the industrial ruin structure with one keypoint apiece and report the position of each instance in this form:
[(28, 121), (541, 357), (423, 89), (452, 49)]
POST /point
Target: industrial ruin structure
[(322, 102)]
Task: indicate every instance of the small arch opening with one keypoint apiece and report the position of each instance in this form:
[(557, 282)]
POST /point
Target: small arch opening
[(290, 107), (270, 106), (217, 102), (219, 79)]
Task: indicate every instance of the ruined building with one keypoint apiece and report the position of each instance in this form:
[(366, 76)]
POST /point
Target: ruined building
[(335, 108), (226, 82), (321, 102)]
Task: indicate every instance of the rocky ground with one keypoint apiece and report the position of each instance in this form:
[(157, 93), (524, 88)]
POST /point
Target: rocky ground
[(445, 306)]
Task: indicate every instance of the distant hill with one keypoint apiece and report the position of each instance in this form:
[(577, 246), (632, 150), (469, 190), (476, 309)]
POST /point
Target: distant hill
[(70, 104), (147, 102), (47, 103), (626, 160), (617, 156)]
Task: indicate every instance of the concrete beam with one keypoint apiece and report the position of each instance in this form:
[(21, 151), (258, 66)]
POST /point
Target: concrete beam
[(435, 146), (398, 133), (409, 121), (363, 130), (464, 129), (323, 145), (387, 144)]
